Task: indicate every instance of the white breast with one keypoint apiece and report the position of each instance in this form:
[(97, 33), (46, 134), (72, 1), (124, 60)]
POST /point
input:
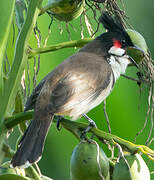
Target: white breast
[(118, 61), (118, 65)]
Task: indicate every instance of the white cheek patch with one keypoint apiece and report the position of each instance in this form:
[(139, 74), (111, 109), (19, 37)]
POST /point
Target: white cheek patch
[(116, 51)]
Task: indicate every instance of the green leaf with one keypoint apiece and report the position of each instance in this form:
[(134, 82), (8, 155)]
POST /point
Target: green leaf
[(5, 24), (20, 59)]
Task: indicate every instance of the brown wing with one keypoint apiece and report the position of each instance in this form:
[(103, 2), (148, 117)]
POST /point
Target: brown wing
[(32, 99), (83, 77)]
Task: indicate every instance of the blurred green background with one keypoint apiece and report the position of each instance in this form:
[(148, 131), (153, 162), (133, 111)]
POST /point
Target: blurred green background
[(126, 107)]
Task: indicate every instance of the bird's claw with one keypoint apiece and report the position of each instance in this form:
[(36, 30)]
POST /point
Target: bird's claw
[(91, 125), (58, 118)]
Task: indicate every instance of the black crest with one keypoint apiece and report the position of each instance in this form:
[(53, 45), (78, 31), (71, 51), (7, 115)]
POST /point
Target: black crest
[(114, 25), (110, 23)]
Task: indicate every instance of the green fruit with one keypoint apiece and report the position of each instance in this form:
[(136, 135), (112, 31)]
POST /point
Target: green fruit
[(89, 162), (46, 178), (67, 10), (12, 177), (139, 41), (138, 169)]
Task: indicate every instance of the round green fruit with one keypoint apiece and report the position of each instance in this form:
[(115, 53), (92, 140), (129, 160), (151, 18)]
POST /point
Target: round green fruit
[(12, 177), (46, 178), (66, 10), (89, 162), (134, 169), (139, 41)]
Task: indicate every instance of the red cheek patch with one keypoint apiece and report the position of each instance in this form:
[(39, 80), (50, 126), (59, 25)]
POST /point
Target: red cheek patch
[(117, 43)]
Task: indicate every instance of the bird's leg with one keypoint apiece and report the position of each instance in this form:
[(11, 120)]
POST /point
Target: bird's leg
[(139, 81), (91, 122), (58, 119), (87, 129)]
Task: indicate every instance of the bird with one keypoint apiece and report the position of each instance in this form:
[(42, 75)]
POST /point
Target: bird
[(74, 87)]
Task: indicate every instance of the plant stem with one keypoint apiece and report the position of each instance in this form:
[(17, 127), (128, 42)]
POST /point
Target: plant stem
[(77, 128), (20, 58), (12, 121), (75, 43), (8, 151), (33, 173), (5, 24)]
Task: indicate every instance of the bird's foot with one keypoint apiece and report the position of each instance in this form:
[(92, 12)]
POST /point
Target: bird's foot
[(91, 122), (58, 119), (91, 125)]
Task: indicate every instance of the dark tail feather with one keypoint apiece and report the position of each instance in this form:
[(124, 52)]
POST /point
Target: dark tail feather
[(32, 143)]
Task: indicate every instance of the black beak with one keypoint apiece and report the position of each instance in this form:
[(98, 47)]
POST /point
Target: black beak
[(136, 49)]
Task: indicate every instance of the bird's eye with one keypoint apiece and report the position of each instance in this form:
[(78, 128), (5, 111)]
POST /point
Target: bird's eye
[(123, 42)]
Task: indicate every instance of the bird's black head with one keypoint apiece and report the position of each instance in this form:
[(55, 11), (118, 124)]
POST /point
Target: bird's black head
[(116, 36)]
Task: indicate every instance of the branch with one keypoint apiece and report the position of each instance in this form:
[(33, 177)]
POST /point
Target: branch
[(75, 43), (12, 121), (33, 173), (77, 128)]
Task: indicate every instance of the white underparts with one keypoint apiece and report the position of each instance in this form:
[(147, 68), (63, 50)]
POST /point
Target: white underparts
[(118, 61), (118, 65)]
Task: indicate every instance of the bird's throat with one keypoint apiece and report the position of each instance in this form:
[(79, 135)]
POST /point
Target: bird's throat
[(118, 65)]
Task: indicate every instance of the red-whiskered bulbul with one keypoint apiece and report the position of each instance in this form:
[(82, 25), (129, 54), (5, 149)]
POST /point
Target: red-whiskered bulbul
[(75, 87)]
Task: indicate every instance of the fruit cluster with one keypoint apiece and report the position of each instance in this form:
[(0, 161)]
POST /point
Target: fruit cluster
[(89, 162)]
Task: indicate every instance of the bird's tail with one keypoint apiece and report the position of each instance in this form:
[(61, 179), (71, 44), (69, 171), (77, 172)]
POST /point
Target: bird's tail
[(32, 143)]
